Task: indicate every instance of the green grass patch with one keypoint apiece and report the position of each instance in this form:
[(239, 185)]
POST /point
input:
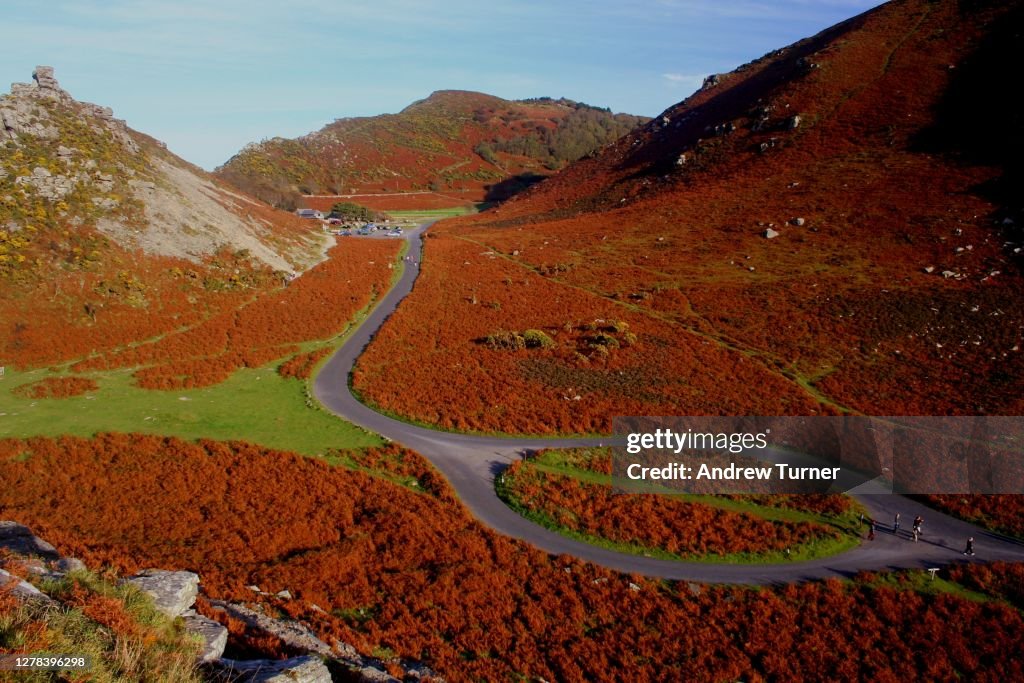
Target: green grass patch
[(421, 215), (255, 405), (922, 581)]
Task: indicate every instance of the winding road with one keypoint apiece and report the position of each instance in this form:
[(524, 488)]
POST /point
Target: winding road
[(470, 463)]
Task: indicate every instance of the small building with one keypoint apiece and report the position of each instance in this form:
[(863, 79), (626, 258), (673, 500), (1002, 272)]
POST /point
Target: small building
[(309, 213)]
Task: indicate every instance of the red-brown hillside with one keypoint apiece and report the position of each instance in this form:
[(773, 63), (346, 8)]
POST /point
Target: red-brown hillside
[(387, 568), (451, 142), (890, 282), (107, 238)]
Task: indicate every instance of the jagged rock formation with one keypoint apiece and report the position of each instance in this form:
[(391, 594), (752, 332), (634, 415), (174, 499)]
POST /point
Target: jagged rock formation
[(66, 164), (300, 637), (21, 589)]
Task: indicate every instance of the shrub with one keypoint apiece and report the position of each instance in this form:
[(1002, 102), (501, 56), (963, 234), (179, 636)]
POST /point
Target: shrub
[(57, 387), (536, 339), (505, 341), (604, 340)]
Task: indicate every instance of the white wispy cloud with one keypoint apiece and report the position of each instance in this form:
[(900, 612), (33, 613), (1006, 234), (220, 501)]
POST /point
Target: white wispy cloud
[(684, 80)]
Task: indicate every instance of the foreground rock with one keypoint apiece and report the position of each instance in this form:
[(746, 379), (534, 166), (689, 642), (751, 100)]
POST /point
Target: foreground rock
[(292, 633), (19, 539), (305, 669), (300, 637), (172, 592), (214, 635), (23, 590)]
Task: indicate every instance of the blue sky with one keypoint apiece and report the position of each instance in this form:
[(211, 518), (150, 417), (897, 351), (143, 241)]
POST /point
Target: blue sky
[(209, 76)]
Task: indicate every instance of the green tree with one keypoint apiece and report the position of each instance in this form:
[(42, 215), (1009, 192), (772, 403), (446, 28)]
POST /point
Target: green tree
[(350, 211)]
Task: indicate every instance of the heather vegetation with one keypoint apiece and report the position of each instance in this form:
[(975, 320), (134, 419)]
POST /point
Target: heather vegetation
[(451, 142), (791, 240), (1000, 513), (571, 492), (585, 130), (107, 239), (405, 570), (240, 372), (609, 357), (316, 306), (779, 243)]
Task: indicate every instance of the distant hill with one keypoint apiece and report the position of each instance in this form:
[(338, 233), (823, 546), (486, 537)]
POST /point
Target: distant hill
[(835, 226), (103, 229), (452, 141)]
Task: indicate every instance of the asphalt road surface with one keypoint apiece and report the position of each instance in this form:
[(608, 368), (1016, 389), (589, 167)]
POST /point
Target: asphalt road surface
[(471, 462)]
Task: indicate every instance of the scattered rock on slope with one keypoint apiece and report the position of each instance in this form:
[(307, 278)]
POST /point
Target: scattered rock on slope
[(19, 539), (172, 592), (305, 669), (214, 635)]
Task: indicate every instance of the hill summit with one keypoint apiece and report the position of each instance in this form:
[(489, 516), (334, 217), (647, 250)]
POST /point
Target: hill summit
[(452, 141)]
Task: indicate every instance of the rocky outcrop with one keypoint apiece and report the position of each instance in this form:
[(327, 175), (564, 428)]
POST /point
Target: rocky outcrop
[(305, 669), (48, 86), (107, 177), (172, 592), (48, 186), (19, 588), (19, 539), (214, 635), (292, 633), (298, 636)]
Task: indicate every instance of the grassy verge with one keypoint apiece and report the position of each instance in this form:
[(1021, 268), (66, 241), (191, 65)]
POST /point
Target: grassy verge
[(421, 215), (922, 581)]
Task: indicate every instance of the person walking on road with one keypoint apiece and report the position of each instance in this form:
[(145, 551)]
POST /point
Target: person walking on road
[(970, 547), (896, 524), (871, 529)]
